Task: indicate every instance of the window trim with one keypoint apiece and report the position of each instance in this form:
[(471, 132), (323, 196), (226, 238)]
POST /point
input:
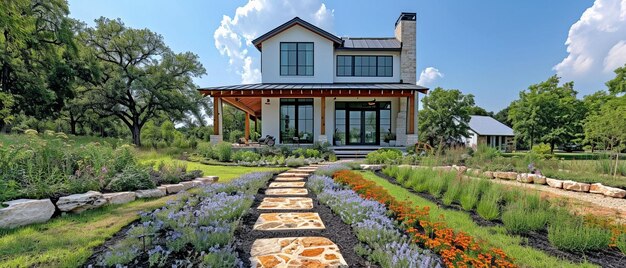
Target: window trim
[(296, 102), (352, 66), (280, 58)]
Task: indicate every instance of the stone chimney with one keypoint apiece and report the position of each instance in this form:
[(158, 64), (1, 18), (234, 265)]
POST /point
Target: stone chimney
[(405, 33)]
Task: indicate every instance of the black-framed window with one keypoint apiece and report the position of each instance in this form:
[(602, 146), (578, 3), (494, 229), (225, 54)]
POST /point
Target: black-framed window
[(296, 120), (296, 58), (365, 66)]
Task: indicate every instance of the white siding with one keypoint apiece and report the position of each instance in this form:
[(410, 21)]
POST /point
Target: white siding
[(271, 117), (323, 50), (355, 79)]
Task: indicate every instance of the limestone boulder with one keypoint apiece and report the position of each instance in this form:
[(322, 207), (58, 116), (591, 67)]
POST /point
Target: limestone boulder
[(25, 211), (539, 179), (78, 203), (474, 172), (444, 168), (208, 179), (188, 185), (576, 186), (120, 198), (372, 167), (460, 169), (554, 183), (163, 189), (598, 188), (151, 193), (525, 177), (173, 188), (488, 174), (505, 175)]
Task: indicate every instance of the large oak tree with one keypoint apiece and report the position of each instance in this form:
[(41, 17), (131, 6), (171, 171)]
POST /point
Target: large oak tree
[(445, 116), (139, 76)]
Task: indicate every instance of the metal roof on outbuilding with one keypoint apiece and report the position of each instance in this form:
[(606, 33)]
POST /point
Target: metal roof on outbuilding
[(487, 125)]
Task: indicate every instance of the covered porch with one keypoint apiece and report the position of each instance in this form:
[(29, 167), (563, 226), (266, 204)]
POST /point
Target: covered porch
[(341, 114)]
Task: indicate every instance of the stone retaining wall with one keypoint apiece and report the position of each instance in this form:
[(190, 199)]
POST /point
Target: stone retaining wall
[(596, 188), (28, 211)]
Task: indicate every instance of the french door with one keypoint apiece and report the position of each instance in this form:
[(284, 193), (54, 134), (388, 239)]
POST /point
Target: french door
[(362, 127)]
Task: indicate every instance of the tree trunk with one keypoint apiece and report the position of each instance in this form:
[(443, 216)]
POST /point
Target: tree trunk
[(551, 147), (616, 163), (136, 131), (72, 124)]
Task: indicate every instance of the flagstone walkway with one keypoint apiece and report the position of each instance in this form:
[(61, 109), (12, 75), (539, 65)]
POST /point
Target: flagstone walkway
[(279, 251)]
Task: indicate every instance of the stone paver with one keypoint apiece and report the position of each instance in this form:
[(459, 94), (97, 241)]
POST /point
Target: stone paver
[(288, 221), (287, 191), (293, 203), (298, 170), (296, 252), (286, 184), (289, 179), (292, 174)]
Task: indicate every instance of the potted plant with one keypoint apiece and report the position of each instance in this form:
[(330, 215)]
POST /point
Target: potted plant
[(390, 138), (338, 138)]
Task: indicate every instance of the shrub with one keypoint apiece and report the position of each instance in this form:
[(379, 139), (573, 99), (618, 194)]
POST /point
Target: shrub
[(206, 149), (621, 243), (294, 162), (575, 236), (384, 156), (452, 192), (223, 151), (246, 156), (329, 170), (131, 179), (523, 216), (469, 195), (488, 206)]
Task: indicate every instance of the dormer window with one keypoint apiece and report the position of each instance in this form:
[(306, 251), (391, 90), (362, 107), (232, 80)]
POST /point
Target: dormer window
[(296, 59)]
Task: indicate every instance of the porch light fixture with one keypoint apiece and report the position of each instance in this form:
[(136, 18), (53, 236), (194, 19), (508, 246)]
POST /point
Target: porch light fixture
[(372, 103), (267, 102)]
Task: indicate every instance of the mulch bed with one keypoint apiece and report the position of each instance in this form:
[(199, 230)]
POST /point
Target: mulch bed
[(612, 258), (336, 230)]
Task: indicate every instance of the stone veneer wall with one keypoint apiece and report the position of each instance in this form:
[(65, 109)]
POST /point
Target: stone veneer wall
[(405, 32)]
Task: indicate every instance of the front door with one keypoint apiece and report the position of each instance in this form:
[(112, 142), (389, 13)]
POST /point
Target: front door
[(362, 127)]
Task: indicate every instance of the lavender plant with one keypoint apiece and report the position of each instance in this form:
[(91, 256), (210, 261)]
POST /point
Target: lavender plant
[(383, 241), (203, 223), (329, 170)]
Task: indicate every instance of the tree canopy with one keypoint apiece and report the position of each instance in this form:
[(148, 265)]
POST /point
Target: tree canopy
[(445, 116), (139, 75), (548, 112)]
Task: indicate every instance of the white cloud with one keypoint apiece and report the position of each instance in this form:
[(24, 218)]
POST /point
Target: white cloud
[(428, 76), (596, 44), (234, 35)]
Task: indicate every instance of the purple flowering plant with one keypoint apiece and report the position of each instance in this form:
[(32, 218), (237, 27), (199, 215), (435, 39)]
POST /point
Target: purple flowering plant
[(383, 242)]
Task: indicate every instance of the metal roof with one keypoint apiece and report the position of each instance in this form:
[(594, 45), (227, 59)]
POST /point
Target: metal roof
[(487, 125), (264, 86), (295, 21), (390, 43)]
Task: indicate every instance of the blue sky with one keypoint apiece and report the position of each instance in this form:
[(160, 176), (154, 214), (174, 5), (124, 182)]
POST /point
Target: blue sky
[(492, 49)]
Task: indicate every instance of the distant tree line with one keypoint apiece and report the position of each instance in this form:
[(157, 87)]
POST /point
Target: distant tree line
[(549, 112), (58, 73)]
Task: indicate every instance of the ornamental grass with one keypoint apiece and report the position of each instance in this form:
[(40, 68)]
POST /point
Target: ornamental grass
[(457, 249)]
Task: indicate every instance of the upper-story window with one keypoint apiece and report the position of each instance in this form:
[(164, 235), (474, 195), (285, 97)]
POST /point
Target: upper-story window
[(296, 58), (381, 66)]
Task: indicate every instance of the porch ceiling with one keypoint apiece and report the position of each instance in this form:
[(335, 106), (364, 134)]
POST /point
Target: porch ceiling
[(251, 105)]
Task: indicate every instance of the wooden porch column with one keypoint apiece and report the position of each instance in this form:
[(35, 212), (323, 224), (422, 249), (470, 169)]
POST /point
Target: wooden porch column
[(247, 130), (411, 128), (323, 125), (216, 115)]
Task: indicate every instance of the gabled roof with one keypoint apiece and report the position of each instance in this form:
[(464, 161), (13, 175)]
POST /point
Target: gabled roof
[(295, 21), (487, 125), (385, 43)]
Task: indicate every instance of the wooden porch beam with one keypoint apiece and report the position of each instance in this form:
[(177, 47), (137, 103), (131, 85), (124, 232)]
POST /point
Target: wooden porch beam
[(247, 129), (239, 106), (216, 115), (411, 129)]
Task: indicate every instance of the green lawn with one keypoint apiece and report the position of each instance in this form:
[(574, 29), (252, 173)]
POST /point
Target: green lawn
[(69, 240), (495, 236), (226, 173)]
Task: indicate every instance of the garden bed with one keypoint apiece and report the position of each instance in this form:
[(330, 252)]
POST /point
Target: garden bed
[(336, 230), (539, 239)]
